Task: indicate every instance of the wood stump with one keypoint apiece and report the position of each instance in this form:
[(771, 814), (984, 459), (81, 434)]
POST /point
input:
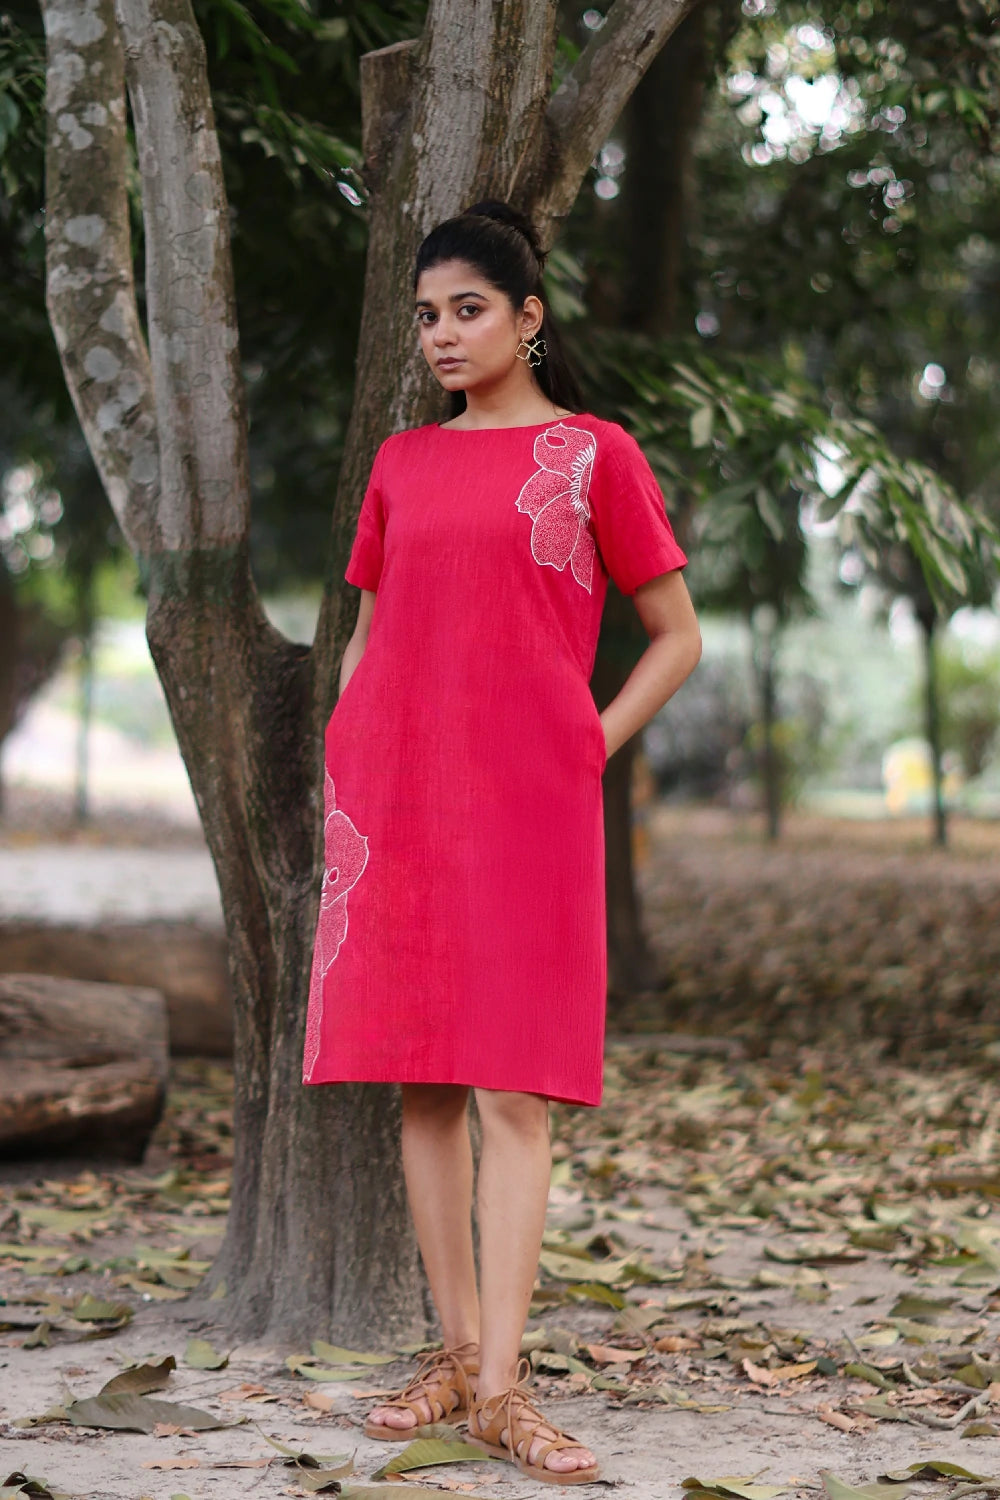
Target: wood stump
[(83, 1066)]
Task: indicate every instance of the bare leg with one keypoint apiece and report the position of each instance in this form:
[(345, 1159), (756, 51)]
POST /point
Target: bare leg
[(437, 1162), (514, 1171)]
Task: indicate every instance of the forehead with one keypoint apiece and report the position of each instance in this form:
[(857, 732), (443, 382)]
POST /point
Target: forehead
[(449, 278)]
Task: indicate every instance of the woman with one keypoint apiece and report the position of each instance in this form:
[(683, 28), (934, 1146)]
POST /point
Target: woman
[(461, 940)]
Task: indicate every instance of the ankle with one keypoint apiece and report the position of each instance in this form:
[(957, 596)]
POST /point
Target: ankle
[(494, 1381), (465, 1345)]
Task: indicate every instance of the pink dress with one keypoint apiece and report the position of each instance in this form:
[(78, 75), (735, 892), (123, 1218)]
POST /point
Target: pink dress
[(461, 935)]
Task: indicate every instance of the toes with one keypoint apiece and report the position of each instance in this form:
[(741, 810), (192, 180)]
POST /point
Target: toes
[(391, 1416), (570, 1458)]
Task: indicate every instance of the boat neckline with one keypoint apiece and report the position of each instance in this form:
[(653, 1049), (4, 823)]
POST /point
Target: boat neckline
[(518, 427)]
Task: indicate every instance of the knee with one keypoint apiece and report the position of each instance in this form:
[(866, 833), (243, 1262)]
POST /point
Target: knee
[(526, 1115), (439, 1103)]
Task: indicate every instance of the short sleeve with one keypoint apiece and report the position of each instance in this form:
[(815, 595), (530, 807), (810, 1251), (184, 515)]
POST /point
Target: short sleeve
[(365, 566), (634, 537)]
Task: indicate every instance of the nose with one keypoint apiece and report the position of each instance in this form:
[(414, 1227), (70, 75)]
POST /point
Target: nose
[(443, 334)]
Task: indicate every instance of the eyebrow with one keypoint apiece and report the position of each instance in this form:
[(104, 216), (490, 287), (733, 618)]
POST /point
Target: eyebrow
[(455, 297)]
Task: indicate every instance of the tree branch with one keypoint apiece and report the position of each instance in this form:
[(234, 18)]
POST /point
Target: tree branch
[(90, 291), (583, 110), (191, 305)]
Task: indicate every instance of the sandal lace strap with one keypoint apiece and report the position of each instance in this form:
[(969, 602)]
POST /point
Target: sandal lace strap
[(436, 1361), (514, 1406)]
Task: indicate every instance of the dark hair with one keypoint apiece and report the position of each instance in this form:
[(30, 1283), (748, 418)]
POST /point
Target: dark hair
[(502, 244)]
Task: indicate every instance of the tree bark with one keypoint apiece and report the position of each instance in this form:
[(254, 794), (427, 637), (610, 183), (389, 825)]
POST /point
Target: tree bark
[(318, 1239)]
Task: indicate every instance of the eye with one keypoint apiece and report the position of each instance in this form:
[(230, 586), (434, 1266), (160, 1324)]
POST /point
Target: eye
[(424, 314), (471, 306)]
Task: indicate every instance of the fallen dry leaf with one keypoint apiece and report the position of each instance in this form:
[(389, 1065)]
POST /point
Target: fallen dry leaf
[(762, 1376), (837, 1419), (318, 1400), (674, 1343), (607, 1354)]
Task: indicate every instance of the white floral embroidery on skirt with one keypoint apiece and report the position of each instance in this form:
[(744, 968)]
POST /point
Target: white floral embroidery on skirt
[(346, 854)]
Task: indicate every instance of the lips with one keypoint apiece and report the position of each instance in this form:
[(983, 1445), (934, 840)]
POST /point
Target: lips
[(447, 364)]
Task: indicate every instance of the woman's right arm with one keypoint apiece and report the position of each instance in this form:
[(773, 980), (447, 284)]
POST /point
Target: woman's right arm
[(355, 648)]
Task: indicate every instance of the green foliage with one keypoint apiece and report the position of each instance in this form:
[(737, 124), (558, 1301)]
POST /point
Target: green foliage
[(748, 446), (969, 696)]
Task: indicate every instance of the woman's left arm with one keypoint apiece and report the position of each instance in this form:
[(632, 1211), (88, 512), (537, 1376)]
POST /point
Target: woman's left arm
[(665, 609)]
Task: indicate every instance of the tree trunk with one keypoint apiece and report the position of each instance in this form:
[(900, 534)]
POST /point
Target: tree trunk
[(932, 726), (764, 636), (632, 966), (771, 760), (318, 1240), (657, 189)]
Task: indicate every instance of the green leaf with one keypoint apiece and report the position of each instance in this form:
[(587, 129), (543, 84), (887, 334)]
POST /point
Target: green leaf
[(821, 1253), (305, 1364), (31, 1252), (769, 512), (701, 423), (63, 1220), (200, 1355), (695, 380), (133, 1413), (334, 1355), (933, 1333), (944, 561), (575, 1268), (933, 1468), (839, 1489), (923, 1309), (301, 1459), (861, 1371), (594, 1292), (320, 1481), (20, 1484), (740, 1485), (877, 1338), (979, 1272), (138, 1379), (390, 1491), (91, 1310), (732, 416), (879, 1407), (426, 1452)]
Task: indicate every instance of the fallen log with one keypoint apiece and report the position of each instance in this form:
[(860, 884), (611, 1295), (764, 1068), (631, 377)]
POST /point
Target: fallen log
[(184, 960), (83, 1066)]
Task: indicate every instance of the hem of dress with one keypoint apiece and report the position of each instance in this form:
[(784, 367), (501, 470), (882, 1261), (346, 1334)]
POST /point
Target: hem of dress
[(472, 1083)]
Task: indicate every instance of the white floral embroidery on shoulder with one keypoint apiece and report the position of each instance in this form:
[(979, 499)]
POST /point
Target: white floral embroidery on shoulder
[(345, 858), (555, 497)]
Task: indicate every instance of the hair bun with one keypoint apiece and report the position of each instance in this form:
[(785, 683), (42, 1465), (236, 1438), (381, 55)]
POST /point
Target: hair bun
[(506, 213)]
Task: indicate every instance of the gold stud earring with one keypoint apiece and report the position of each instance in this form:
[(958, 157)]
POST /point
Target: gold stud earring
[(535, 350)]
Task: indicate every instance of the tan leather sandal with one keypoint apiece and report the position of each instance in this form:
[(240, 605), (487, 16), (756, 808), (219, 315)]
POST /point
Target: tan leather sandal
[(442, 1379), (510, 1409)]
